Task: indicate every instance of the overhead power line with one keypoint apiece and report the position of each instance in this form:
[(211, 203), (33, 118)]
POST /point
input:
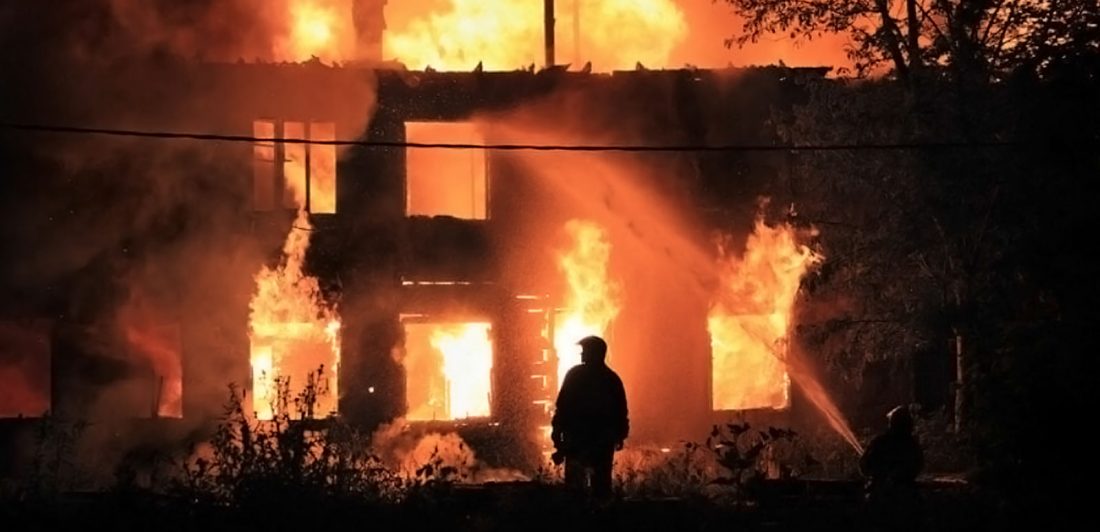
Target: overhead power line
[(183, 135)]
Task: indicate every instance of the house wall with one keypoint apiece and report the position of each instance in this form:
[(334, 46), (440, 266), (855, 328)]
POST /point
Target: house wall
[(659, 213)]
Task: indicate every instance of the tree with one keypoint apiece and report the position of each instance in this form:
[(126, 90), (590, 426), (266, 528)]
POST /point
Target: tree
[(975, 252), (975, 40)]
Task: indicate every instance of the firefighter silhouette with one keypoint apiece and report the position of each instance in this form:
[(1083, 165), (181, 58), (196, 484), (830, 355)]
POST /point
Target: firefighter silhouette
[(590, 421), (894, 458), (891, 464)]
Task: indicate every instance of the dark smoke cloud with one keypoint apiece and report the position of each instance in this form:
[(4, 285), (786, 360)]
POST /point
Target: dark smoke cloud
[(111, 30), (84, 62), (89, 225)]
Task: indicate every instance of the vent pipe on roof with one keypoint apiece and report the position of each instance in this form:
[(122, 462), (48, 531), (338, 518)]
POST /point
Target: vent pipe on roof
[(549, 21)]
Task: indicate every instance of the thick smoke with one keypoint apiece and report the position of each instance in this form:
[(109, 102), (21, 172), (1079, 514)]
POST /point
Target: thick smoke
[(123, 241)]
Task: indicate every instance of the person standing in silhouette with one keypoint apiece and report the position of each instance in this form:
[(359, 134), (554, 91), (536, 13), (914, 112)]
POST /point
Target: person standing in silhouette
[(590, 420)]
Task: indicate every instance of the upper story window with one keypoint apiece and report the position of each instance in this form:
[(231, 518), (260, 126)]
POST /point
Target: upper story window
[(446, 182), (290, 174)]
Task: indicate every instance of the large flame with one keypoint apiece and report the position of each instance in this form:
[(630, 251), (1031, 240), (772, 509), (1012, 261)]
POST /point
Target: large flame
[(749, 322), (592, 302), (508, 34), (293, 333), (449, 369), (317, 28)]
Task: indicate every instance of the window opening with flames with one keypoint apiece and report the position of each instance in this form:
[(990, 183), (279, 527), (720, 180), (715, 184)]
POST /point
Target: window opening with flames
[(751, 316), (452, 182), (449, 370)]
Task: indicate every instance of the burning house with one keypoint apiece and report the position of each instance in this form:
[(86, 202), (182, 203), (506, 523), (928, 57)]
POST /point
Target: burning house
[(427, 239)]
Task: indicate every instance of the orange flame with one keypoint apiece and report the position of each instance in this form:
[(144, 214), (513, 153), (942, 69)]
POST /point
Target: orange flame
[(749, 322), (293, 333), (508, 34), (317, 28), (453, 378), (593, 299)]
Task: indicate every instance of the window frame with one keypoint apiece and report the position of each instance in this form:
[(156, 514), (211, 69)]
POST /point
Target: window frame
[(281, 197), (486, 173)]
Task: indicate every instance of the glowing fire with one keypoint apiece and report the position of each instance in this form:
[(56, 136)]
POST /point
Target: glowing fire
[(749, 322), (449, 370), (294, 335), (317, 28), (592, 302), (154, 338), (508, 34)]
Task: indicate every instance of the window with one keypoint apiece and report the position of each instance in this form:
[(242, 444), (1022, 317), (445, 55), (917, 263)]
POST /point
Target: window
[(747, 370), (158, 347), (153, 343), (448, 370), (305, 173), (24, 368), (446, 182), (263, 166)]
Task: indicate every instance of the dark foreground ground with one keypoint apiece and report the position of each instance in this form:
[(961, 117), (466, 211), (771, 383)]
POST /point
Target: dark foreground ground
[(514, 506)]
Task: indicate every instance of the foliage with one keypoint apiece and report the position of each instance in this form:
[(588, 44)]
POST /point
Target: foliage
[(650, 472), (730, 464), (286, 458), (982, 40), (867, 302), (945, 451), (747, 456), (54, 467)]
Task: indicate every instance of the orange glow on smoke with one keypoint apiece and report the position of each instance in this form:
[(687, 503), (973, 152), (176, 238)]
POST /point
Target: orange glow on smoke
[(160, 345), (24, 368), (317, 28), (154, 338), (293, 333), (448, 370), (592, 301), (751, 318), (508, 34), (304, 166)]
